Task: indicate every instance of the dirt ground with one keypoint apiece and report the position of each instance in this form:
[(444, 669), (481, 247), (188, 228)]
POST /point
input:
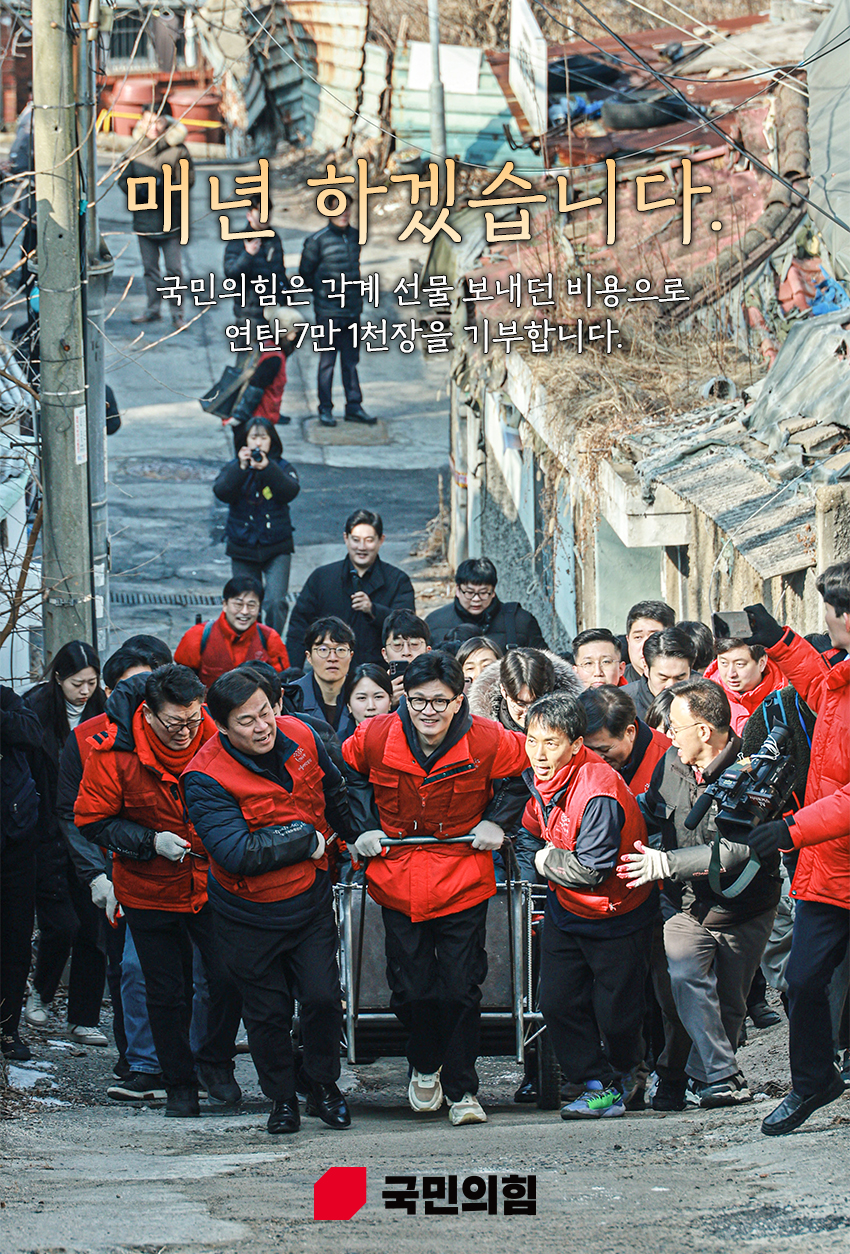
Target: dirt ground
[(84, 1174)]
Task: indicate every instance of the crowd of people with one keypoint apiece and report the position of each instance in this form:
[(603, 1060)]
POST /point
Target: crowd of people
[(174, 828)]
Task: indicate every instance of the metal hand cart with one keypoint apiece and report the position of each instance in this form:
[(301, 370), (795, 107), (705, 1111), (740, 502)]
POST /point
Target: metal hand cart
[(510, 1019)]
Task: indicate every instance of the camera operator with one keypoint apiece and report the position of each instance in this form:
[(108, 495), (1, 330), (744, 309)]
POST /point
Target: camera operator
[(821, 887), (713, 942)]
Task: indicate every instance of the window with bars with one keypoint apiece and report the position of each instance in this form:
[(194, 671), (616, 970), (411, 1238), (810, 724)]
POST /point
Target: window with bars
[(159, 34)]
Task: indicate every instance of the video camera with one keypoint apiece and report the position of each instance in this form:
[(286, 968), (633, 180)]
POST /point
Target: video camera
[(755, 790)]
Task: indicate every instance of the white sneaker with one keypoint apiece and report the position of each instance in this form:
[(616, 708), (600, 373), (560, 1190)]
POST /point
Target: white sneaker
[(35, 1011), (467, 1110), (87, 1036), (425, 1092)]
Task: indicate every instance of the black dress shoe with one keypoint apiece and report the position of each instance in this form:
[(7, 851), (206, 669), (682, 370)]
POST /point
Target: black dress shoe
[(326, 418), (796, 1110), (326, 1101), (527, 1091), (762, 1015), (358, 414), (182, 1102), (285, 1117)]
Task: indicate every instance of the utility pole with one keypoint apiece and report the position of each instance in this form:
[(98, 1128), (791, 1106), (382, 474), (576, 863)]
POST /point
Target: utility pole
[(437, 99), (98, 271), (66, 560)]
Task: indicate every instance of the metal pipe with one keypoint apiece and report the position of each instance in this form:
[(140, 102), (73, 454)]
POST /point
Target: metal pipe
[(437, 97)]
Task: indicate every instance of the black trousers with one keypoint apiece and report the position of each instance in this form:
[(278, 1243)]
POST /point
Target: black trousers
[(72, 925), (435, 970), (592, 990), (349, 355), (163, 940), (17, 915), (274, 966), (820, 942)]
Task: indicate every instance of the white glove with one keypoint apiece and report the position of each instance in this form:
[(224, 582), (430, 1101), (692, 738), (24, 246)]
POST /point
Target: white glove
[(645, 866), (368, 844), (171, 846), (540, 860), (103, 896), (320, 848), (487, 835)]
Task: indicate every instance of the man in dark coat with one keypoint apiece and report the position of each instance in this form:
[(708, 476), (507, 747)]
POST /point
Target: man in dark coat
[(159, 141), (260, 260), (330, 264), (477, 610), (361, 590)]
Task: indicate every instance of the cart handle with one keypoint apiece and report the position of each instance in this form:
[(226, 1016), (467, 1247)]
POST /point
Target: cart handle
[(390, 842)]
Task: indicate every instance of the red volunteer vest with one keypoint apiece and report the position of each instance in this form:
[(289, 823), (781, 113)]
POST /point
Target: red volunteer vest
[(655, 751), (591, 777), (264, 802)]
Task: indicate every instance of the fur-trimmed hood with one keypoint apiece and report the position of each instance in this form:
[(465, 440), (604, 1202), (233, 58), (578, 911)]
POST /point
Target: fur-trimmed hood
[(485, 696)]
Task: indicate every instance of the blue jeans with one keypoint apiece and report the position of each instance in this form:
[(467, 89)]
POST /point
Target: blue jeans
[(141, 1053)]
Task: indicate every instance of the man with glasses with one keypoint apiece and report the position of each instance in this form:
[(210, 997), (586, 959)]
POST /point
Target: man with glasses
[(431, 767), (131, 802), (405, 637), (362, 590), (598, 658), (713, 942), (477, 611), (236, 636), (328, 650)]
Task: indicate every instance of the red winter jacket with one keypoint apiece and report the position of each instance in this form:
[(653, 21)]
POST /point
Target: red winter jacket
[(821, 829), (269, 406), (226, 649), (773, 679), (126, 796), (229, 795), (448, 800), (559, 824)]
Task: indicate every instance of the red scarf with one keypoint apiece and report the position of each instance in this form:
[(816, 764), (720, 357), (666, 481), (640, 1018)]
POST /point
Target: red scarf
[(549, 787)]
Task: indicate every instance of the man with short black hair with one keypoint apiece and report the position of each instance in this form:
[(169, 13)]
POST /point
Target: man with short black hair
[(266, 800), (642, 621), (131, 802), (713, 941), (236, 636), (361, 589), (431, 767), (328, 648), (598, 658), (668, 656), (477, 611), (621, 739), (405, 637), (745, 673)]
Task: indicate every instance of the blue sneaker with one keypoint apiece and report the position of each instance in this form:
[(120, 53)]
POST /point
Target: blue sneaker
[(596, 1102)]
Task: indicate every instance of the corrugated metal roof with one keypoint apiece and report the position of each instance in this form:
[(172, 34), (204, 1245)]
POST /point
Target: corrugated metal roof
[(474, 123), (829, 109)]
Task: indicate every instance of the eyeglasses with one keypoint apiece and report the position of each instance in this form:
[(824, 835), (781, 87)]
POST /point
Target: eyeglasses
[(476, 594), (244, 605), (591, 663), (339, 650), (673, 732), (438, 704), (191, 724)]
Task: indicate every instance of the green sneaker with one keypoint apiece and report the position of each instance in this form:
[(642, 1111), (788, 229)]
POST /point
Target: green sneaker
[(595, 1102)]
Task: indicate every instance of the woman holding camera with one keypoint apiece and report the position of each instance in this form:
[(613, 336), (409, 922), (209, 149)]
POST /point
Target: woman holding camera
[(257, 486)]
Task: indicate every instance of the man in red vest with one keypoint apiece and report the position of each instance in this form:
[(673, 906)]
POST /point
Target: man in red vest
[(131, 802), (265, 799), (431, 767), (596, 935), (236, 636), (621, 739)]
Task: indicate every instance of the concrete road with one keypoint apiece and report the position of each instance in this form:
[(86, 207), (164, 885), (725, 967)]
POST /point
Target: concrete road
[(166, 527), (90, 1177)]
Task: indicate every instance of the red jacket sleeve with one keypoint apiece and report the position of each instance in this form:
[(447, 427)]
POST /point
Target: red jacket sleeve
[(101, 794), (510, 757), (530, 821), (188, 651), (802, 666), (827, 819), (276, 650), (354, 749)]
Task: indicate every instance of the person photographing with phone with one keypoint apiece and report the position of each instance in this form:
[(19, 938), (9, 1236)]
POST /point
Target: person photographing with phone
[(258, 486), (406, 636)]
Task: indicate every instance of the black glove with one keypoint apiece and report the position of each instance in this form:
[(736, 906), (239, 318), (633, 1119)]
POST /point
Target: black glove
[(767, 838), (765, 630)]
